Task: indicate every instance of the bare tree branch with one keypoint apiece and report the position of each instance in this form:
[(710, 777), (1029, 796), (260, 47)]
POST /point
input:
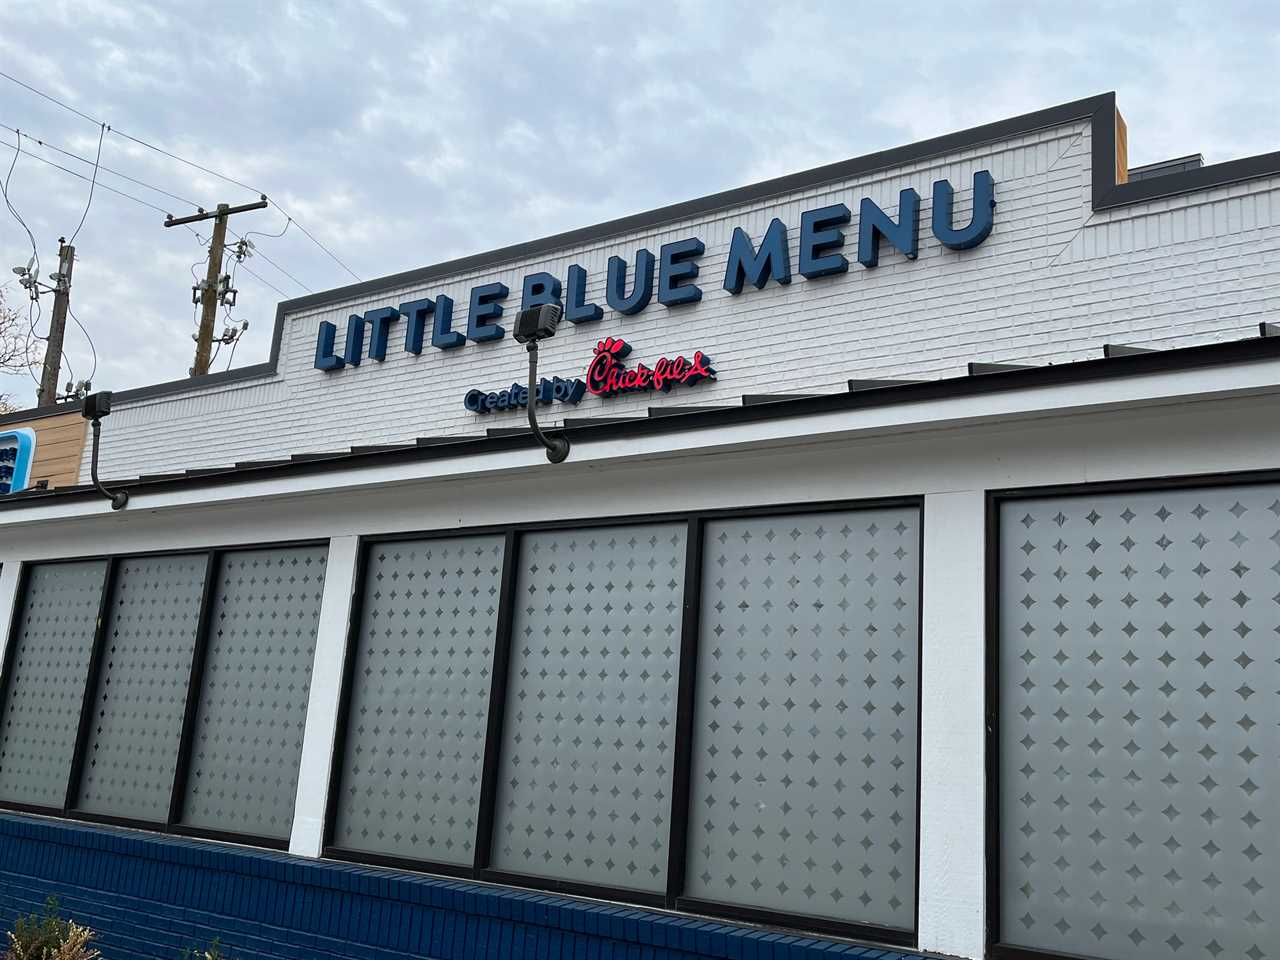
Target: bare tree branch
[(18, 352)]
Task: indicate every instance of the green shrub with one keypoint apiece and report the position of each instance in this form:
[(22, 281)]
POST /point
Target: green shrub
[(49, 937), (213, 953)]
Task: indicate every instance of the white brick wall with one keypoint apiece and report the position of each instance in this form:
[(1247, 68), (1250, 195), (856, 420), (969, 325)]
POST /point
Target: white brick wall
[(1052, 283)]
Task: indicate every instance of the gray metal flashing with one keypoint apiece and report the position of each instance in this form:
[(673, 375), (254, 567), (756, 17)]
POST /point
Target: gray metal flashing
[(1192, 161), (1123, 349), (856, 385), (979, 369)]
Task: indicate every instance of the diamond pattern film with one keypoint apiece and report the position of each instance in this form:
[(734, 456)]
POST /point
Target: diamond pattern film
[(1139, 701), (803, 784), (243, 773), (50, 664), (584, 783), (414, 746), (132, 750)]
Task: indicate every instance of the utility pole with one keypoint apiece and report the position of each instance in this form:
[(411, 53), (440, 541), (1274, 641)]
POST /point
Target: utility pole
[(48, 392), (210, 292)]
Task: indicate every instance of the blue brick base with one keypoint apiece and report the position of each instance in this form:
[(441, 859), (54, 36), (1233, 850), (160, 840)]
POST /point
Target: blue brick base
[(152, 897)]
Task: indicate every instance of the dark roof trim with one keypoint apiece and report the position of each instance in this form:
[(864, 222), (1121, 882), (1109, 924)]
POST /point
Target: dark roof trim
[(1100, 110), (791, 183), (37, 413), (1084, 371)]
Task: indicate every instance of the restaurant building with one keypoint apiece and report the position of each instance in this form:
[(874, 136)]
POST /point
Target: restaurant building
[(911, 587)]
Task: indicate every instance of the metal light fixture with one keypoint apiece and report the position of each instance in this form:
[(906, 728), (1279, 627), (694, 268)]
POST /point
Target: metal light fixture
[(96, 406), (534, 324)]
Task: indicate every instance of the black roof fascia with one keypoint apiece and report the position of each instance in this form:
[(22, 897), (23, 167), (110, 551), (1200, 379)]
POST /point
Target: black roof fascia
[(1191, 181), (1089, 107), (38, 413), (1084, 371)]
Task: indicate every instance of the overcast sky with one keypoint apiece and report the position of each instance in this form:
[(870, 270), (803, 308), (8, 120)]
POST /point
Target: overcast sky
[(405, 133)]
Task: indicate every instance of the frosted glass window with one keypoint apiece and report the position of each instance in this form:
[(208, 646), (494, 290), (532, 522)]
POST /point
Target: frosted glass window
[(803, 785), (243, 774), (414, 745), (584, 786), (1139, 702), (152, 617), (50, 668)]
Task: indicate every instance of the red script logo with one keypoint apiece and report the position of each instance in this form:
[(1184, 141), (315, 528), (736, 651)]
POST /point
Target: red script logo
[(607, 376)]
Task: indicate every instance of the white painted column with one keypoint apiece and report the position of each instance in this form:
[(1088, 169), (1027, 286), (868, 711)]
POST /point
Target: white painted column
[(8, 601), (307, 837), (952, 781)]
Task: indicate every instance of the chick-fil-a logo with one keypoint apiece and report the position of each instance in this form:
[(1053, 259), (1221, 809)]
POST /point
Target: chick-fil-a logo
[(607, 376)]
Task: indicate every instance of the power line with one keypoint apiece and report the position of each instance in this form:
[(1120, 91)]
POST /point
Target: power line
[(34, 310), (41, 93), (94, 349), (333, 256), (252, 273), (123, 176), (102, 132), (58, 166), (259, 253), (35, 253), (191, 163), (141, 183), (272, 236)]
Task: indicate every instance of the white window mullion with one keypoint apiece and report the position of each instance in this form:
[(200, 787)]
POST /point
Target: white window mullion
[(307, 838), (953, 741)]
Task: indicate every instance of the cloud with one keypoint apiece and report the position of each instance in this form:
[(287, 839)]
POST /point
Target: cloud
[(404, 133)]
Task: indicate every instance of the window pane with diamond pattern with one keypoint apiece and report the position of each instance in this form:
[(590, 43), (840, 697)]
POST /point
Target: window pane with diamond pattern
[(803, 786), (50, 664), (243, 773), (584, 783), (1139, 702), (132, 750), (414, 745)]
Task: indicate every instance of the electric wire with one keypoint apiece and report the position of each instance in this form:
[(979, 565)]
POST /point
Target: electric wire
[(52, 99), (103, 186), (259, 253), (333, 256), (93, 182), (191, 163), (34, 310), (105, 169), (66, 362), (272, 236), (257, 276), (149, 186), (94, 371), (35, 253)]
